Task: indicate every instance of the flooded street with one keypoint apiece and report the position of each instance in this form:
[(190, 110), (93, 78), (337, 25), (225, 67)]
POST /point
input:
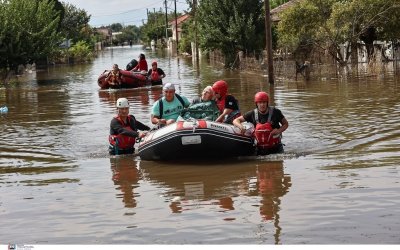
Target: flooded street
[(336, 183)]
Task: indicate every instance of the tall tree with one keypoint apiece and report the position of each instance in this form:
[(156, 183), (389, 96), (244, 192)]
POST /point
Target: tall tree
[(28, 31), (75, 23), (230, 26), (331, 24)]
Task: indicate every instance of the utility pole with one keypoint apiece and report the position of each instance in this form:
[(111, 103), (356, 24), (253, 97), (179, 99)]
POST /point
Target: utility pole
[(196, 40), (176, 31), (269, 42), (166, 22)]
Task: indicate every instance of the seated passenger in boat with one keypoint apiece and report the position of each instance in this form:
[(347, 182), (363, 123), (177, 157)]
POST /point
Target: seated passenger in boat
[(114, 78), (155, 74), (124, 130), (168, 108), (142, 64), (227, 104), (269, 123), (203, 107)]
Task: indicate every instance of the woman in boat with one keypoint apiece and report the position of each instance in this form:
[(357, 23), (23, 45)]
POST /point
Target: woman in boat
[(124, 130), (155, 74), (114, 78), (142, 65), (269, 123), (203, 107), (227, 104)]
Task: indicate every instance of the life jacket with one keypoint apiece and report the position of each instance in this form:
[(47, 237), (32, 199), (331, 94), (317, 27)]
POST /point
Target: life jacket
[(221, 104), (114, 77), (122, 142), (262, 132), (155, 76)]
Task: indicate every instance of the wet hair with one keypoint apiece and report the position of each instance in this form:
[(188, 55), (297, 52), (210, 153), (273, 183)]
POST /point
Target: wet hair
[(142, 57)]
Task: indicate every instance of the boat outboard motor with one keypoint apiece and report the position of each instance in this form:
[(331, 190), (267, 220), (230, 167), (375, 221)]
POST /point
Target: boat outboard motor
[(132, 64)]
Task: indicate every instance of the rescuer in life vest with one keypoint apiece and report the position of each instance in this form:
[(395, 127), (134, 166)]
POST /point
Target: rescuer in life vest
[(124, 130), (269, 124), (227, 104), (155, 74)]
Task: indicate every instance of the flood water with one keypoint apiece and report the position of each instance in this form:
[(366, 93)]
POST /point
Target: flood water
[(336, 183)]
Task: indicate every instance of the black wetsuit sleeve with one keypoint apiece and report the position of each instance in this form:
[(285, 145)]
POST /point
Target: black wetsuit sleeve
[(160, 71), (231, 103), (249, 116), (141, 126)]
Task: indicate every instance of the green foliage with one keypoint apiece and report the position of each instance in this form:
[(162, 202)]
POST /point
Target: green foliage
[(81, 52), (275, 3), (129, 33), (28, 31), (328, 24), (116, 27), (154, 29), (74, 25), (230, 26)]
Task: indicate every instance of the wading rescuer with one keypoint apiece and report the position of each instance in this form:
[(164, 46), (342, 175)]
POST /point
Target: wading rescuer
[(269, 124), (124, 130)]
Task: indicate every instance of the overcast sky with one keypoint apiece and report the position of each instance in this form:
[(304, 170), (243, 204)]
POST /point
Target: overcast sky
[(126, 12)]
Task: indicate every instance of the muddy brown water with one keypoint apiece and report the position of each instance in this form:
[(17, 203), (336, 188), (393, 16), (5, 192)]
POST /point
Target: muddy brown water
[(336, 183)]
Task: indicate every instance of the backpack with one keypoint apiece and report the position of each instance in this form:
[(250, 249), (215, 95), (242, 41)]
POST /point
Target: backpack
[(161, 108)]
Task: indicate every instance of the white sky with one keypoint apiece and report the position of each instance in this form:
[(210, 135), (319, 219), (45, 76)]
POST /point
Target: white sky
[(126, 12)]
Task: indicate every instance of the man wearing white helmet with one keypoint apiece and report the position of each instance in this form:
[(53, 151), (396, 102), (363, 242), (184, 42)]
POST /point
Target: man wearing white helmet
[(167, 109), (124, 130)]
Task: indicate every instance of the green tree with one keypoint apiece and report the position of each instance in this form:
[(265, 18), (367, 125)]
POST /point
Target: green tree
[(129, 33), (28, 31), (329, 24), (75, 24), (154, 29), (230, 26), (116, 27)]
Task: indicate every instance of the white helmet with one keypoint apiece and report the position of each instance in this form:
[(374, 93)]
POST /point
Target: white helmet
[(122, 103)]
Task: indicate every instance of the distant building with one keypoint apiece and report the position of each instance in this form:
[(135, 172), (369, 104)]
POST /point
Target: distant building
[(275, 12), (106, 32), (179, 21)]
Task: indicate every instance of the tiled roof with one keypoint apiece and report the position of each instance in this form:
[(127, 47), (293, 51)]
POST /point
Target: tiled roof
[(180, 19), (276, 11)]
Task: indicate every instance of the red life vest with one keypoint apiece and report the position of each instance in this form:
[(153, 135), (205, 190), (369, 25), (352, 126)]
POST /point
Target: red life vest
[(221, 104), (155, 76), (262, 132), (122, 141)]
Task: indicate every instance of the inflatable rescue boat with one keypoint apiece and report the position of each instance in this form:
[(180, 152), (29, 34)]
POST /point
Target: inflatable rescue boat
[(197, 139)]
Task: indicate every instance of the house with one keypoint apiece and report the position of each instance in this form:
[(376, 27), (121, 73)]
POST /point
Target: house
[(278, 10), (105, 32), (179, 21)]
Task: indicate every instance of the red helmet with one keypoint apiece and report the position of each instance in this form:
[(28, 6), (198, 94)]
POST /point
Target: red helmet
[(261, 97), (220, 87), (154, 63)]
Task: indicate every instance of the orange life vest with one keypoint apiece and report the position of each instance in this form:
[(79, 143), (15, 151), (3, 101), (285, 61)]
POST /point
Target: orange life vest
[(262, 132), (114, 77), (122, 142)]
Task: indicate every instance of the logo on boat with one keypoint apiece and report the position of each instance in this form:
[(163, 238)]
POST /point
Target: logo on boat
[(218, 127)]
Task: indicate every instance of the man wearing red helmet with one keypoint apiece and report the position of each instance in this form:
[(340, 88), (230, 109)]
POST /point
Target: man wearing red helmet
[(269, 123), (227, 104)]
